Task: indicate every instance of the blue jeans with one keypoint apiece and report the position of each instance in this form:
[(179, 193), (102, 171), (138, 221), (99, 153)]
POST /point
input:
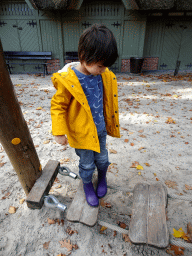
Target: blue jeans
[(89, 159)]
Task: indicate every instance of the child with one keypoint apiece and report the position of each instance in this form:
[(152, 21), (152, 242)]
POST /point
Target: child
[(85, 107)]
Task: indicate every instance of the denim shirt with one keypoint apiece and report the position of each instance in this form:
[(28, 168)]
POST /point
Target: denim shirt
[(93, 89)]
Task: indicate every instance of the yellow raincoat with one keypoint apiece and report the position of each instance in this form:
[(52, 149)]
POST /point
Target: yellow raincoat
[(71, 114)]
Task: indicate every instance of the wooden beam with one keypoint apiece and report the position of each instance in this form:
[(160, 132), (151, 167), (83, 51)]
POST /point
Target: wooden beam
[(35, 199), (14, 133)]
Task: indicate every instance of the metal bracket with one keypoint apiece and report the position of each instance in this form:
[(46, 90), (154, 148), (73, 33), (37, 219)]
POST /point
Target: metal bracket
[(65, 171), (52, 202)]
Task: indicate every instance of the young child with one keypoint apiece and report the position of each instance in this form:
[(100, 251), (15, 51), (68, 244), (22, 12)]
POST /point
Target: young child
[(85, 106)]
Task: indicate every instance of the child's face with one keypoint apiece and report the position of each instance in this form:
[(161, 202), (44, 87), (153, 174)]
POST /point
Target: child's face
[(93, 69)]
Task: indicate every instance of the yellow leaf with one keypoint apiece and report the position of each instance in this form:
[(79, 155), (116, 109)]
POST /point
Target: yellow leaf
[(18, 85), (155, 174), (175, 96), (139, 167), (39, 108), (139, 173), (178, 233), (102, 229)]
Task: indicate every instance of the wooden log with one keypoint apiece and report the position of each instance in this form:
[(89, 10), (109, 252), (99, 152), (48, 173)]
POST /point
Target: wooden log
[(35, 199), (14, 133), (148, 221)]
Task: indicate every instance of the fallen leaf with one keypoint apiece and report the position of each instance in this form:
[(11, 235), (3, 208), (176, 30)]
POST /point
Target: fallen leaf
[(12, 209), (171, 184), (70, 231), (139, 167), (178, 233), (141, 131), (21, 201), (51, 221), (175, 250), (147, 164), (112, 151), (170, 121), (142, 136), (126, 238), (2, 164), (141, 148), (103, 228), (134, 165), (66, 244), (121, 224), (61, 254), (187, 187), (132, 144), (126, 140), (46, 245), (46, 141), (139, 173), (39, 108)]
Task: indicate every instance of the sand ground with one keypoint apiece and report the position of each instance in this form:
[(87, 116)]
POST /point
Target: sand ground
[(156, 120)]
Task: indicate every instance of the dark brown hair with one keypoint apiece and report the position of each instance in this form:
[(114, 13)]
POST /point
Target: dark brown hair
[(98, 44)]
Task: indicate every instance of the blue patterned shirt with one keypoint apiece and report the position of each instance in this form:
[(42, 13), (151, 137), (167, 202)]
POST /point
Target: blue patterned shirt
[(93, 89)]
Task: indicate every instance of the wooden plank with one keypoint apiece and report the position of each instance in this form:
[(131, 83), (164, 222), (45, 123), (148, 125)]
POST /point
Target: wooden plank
[(157, 232), (148, 220), (80, 210), (42, 185), (138, 225)]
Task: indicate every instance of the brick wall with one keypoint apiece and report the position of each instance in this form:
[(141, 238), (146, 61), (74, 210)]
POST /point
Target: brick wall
[(54, 66), (149, 63)]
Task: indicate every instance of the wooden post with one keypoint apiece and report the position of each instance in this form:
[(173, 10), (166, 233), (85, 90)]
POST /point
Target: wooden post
[(14, 133)]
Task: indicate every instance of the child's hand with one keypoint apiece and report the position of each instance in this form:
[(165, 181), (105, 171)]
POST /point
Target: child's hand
[(61, 139)]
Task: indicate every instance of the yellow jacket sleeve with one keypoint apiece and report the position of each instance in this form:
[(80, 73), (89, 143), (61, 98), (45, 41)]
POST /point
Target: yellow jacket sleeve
[(59, 105)]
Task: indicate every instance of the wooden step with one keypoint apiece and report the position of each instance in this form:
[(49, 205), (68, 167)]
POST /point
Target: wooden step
[(80, 210), (148, 221)]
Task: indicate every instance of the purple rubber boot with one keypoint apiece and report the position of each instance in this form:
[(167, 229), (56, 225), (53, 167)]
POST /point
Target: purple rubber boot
[(101, 190), (90, 194)]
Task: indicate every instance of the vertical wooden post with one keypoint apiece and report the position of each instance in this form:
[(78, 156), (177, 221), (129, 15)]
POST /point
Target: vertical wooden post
[(14, 133)]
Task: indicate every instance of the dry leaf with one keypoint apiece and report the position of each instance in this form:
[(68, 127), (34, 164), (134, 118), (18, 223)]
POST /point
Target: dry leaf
[(134, 165), (46, 141), (2, 164), (142, 136), (187, 187), (112, 151), (21, 201), (170, 121), (132, 144), (126, 140), (61, 254), (141, 131), (147, 164), (141, 148), (12, 209), (51, 221), (46, 245), (102, 229), (66, 244), (176, 249), (126, 238), (70, 231), (139, 167), (171, 184), (121, 224), (39, 108)]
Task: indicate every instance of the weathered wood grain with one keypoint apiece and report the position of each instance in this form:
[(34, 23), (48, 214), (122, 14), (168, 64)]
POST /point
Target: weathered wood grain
[(42, 185), (148, 220), (80, 211)]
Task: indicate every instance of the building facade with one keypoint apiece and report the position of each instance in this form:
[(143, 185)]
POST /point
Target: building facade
[(161, 37)]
